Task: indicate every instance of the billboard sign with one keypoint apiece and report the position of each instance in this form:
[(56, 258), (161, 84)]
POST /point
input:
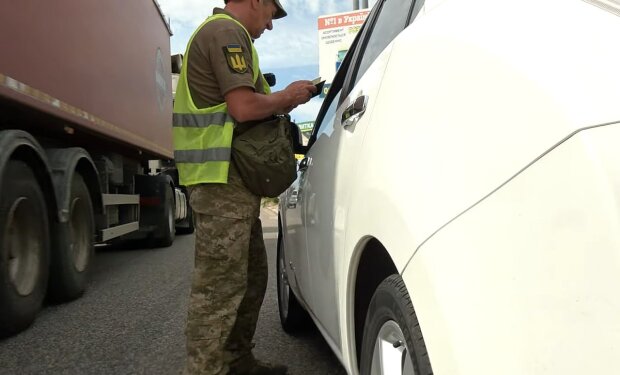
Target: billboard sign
[(336, 33)]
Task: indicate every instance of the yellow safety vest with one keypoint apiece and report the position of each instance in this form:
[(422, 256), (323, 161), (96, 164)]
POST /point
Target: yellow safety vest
[(203, 137)]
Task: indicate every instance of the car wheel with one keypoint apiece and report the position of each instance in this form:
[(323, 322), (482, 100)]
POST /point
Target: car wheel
[(293, 317), (24, 248), (75, 250), (393, 342)]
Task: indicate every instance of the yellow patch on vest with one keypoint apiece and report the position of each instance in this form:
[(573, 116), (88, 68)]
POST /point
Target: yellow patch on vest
[(235, 58)]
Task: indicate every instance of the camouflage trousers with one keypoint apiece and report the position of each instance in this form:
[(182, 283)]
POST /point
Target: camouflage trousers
[(228, 287)]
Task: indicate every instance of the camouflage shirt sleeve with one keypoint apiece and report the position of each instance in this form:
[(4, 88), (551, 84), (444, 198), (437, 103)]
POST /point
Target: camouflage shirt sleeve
[(230, 53)]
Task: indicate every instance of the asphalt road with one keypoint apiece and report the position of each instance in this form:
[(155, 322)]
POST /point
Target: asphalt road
[(132, 317)]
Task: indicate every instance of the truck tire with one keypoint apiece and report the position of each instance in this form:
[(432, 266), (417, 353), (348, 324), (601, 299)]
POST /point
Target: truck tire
[(24, 248), (293, 317), (393, 342), (73, 255), (164, 236), (187, 225)]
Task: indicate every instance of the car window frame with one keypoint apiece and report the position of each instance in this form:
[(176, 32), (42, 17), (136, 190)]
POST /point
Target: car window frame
[(363, 35), (344, 78), (334, 89), (417, 8), (371, 23)]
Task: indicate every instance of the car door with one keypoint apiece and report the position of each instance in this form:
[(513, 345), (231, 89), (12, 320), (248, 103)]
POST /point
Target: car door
[(296, 199), (331, 163), (301, 198)]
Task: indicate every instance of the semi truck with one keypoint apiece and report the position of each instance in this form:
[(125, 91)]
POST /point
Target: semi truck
[(85, 106)]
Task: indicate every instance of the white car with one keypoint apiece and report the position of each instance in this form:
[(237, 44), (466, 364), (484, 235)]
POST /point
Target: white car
[(458, 209)]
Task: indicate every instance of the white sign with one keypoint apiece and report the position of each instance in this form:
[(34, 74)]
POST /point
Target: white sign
[(336, 33)]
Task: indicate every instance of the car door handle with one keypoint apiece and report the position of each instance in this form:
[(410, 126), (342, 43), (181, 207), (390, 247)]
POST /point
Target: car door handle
[(305, 163), (293, 197), (355, 111)]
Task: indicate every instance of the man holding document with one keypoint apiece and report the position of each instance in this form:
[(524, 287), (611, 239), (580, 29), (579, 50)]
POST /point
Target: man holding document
[(220, 92)]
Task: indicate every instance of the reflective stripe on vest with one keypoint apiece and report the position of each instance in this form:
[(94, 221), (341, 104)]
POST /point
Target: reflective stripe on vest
[(202, 156), (187, 120), (203, 136)]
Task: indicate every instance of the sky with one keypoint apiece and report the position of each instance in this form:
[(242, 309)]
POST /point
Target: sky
[(290, 50)]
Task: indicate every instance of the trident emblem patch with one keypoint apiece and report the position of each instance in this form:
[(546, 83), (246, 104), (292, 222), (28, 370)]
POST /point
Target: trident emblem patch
[(235, 58)]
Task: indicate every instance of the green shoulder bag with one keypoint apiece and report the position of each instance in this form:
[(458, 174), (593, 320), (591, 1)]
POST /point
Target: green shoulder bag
[(264, 156)]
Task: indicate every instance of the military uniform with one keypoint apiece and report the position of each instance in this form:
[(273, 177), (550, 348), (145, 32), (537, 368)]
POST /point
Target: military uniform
[(230, 272)]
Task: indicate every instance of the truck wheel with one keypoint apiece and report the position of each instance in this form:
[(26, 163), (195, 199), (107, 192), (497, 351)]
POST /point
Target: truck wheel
[(293, 317), (24, 249), (164, 237), (74, 252), (393, 342), (187, 225)]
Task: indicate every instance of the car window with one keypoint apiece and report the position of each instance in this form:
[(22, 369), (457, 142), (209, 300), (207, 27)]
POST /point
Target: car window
[(416, 9), (333, 95), (326, 127), (391, 20)]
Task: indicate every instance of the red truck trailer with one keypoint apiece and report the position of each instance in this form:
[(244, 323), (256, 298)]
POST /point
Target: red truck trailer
[(85, 104)]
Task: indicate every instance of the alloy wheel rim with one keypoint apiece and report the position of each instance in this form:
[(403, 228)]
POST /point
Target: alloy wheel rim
[(391, 354)]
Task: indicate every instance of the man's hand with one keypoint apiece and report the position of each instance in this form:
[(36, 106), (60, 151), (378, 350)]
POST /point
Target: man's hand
[(299, 92), (246, 105)]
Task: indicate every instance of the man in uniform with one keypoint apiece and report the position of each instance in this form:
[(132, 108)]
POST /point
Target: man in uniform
[(221, 90)]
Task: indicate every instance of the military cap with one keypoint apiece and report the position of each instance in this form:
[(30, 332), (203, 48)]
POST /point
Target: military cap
[(280, 13)]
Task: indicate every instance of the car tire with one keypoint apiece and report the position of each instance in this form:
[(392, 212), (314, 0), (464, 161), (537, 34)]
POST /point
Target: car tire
[(293, 317), (24, 248), (393, 342), (74, 254)]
